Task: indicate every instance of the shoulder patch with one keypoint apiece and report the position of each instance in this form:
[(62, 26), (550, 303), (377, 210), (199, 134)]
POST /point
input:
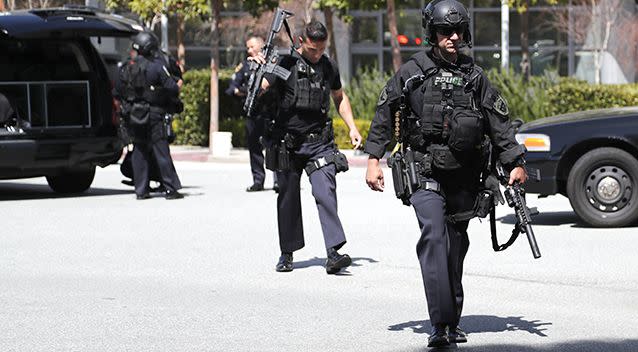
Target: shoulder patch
[(239, 67), (500, 105), (383, 97)]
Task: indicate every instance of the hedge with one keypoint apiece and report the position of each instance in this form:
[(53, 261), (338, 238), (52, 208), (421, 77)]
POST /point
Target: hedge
[(542, 96)]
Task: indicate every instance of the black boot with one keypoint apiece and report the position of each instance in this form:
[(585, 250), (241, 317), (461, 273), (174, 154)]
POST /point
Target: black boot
[(438, 337), (456, 335), (336, 261), (284, 264)]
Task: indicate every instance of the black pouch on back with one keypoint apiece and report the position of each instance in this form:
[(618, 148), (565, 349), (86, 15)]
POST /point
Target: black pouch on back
[(140, 114)]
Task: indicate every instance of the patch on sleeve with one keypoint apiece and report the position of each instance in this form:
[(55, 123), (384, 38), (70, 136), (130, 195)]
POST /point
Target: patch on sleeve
[(500, 105), (239, 67), (383, 97)]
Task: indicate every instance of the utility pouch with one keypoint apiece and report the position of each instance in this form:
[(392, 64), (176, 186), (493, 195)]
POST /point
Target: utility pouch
[(272, 156), (341, 162), (396, 164), (168, 128), (484, 203), (466, 131), (140, 114), (442, 157), (283, 157), (411, 172)]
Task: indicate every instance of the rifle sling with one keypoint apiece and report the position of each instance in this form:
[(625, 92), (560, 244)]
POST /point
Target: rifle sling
[(515, 233)]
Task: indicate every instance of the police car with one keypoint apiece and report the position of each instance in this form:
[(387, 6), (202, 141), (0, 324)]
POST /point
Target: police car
[(591, 157), (61, 121)]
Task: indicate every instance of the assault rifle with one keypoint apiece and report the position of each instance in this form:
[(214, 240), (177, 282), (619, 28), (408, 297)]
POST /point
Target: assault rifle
[(515, 197), (270, 55)]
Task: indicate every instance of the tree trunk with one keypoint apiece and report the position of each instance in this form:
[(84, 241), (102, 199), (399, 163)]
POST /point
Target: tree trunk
[(394, 33), (215, 6), (181, 50), (30, 3), (332, 48), (526, 69), (2, 6)]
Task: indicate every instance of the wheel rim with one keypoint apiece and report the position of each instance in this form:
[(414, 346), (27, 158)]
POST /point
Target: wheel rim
[(608, 188)]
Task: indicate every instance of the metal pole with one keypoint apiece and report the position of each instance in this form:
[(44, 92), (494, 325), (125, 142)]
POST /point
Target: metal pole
[(505, 34), (164, 27)]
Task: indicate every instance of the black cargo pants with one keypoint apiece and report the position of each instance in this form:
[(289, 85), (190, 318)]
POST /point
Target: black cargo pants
[(324, 190)]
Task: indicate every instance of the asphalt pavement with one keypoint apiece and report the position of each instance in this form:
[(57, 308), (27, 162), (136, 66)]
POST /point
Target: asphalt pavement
[(104, 272)]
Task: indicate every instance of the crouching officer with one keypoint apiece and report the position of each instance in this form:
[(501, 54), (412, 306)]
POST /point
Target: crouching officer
[(146, 90), (444, 112), (302, 139)]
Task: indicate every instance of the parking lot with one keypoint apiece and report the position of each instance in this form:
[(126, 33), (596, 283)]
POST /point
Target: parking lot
[(104, 272)]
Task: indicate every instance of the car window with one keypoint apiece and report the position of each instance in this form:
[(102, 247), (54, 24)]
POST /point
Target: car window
[(42, 60)]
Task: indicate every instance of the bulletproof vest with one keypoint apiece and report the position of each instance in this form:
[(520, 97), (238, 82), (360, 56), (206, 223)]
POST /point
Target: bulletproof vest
[(448, 115), (133, 78), (312, 92)]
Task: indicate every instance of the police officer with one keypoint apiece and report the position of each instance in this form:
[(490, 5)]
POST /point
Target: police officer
[(303, 126), (450, 112), (145, 96), (255, 125)]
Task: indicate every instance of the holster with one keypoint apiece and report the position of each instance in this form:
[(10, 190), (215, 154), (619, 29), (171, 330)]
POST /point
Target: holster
[(405, 175), (338, 159), (277, 156)]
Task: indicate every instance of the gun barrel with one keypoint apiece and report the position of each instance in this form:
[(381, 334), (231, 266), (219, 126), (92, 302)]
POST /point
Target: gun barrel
[(536, 252)]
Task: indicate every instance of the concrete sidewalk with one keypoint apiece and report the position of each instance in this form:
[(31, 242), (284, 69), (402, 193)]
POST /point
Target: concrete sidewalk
[(356, 158)]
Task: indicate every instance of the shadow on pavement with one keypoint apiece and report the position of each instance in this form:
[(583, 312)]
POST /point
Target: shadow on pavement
[(25, 191), (316, 261), (571, 346), (480, 323), (548, 218)]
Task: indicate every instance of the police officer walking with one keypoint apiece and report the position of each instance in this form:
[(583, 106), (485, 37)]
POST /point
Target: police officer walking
[(446, 113), (146, 89), (303, 134), (255, 124)]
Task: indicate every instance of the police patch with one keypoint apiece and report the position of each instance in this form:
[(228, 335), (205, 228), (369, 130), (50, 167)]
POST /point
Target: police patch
[(500, 105), (383, 97)]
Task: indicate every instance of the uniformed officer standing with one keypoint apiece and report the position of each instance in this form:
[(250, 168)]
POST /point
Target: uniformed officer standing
[(145, 89), (254, 125), (449, 109), (303, 126)]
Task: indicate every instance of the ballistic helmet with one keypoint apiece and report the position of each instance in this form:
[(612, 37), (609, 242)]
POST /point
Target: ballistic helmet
[(446, 16), (145, 43)]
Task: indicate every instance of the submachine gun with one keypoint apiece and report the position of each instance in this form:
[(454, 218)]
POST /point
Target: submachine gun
[(271, 55), (515, 197), (405, 174)]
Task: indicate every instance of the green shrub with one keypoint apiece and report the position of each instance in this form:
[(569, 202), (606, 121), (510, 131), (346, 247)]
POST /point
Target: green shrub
[(363, 92), (525, 101), (342, 137), (549, 94), (192, 125), (577, 96)]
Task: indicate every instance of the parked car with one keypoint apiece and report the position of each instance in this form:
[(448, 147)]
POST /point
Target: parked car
[(59, 90), (592, 158)]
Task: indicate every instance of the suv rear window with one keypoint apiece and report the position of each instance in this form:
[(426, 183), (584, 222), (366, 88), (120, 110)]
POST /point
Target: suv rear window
[(47, 81)]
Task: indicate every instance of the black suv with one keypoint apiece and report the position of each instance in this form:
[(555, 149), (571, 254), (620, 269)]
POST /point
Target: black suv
[(64, 122)]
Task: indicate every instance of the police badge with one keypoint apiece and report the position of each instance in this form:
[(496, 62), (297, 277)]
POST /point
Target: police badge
[(383, 97), (500, 105)]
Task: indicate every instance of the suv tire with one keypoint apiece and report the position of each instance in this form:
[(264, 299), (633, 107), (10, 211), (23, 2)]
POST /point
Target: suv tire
[(602, 188), (72, 181)]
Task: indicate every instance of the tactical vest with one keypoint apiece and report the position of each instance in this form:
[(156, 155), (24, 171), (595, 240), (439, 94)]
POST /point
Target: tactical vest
[(448, 115), (137, 89), (312, 90)]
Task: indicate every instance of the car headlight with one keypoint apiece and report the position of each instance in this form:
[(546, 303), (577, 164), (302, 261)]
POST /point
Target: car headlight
[(534, 142)]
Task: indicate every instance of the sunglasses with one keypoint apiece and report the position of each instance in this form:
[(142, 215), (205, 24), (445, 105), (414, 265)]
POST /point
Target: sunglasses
[(448, 30)]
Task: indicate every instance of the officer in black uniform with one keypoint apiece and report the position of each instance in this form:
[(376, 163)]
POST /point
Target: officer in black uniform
[(148, 106), (304, 133), (254, 125), (450, 113)]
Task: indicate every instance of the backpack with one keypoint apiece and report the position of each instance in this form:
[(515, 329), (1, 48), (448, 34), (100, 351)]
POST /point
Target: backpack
[(135, 106)]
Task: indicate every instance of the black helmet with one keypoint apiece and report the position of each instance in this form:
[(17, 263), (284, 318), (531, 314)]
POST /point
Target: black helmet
[(445, 13), (145, 43)]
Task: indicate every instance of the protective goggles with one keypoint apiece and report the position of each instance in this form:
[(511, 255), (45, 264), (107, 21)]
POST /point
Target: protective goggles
[(448, 30)]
